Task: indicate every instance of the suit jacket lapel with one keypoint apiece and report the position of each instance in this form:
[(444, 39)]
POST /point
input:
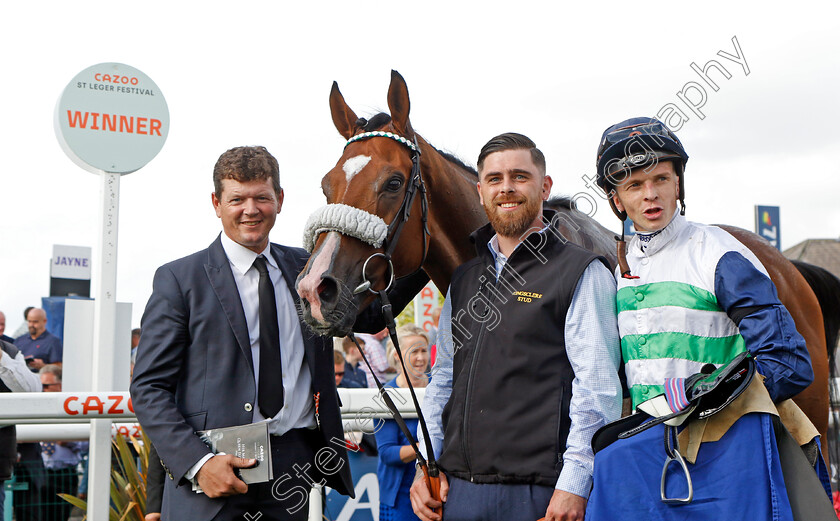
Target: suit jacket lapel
[(290, 271), (221, 278)]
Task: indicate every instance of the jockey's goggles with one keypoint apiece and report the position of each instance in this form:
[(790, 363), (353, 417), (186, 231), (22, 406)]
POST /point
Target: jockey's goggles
[(654, 129)]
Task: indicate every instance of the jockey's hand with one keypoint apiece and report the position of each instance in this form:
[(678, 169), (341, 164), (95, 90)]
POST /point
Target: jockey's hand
[(421, 499), (565, 506)]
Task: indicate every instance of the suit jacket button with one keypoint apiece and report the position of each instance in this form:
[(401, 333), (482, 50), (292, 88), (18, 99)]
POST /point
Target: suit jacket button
[(248, 407)]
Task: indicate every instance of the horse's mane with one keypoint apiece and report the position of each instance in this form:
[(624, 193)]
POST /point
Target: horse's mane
[(557, 202), (380, 120), (827, 289)]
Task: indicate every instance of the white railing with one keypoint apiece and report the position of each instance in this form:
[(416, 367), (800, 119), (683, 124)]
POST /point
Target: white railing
[(67, 416), (83, 407)]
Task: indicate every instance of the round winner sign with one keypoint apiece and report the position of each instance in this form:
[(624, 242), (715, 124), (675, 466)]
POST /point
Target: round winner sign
[(111, 118)]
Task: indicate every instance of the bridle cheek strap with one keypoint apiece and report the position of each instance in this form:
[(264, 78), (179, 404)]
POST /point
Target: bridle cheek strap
[(346, 220)]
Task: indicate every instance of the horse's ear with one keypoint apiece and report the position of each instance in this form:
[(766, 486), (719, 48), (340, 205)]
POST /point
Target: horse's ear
[(343, 116), (399, 104)]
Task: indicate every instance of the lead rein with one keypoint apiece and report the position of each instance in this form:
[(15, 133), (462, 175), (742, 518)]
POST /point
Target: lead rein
[(390, 405), (392, 331)]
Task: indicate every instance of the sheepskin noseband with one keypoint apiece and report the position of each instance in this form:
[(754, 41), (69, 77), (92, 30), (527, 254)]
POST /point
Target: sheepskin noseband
[(346, 220)]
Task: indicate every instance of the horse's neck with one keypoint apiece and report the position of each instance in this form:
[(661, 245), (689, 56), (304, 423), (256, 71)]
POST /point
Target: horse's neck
[(454, 213), (587, 233)]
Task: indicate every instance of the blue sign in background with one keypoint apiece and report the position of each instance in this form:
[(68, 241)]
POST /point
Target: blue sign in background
[(768, 224), (365, 507), (629, 231)]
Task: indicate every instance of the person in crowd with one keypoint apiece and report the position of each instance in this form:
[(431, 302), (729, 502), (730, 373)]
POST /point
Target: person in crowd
[(396, 457), (375, 353), (527, 362), (61, 460), (39, 346), (135, 341), (338, 364), (15, 377), (23, 327), (29, 467), (340, 372), (3, 336), (223, 345), (433, 333), (691, 298), (353, 374)]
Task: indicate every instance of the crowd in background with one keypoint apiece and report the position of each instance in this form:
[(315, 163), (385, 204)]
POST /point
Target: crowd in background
[(50, 468), (31, 361), (395, 469)]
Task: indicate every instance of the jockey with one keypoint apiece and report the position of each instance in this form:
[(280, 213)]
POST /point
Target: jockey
[(690, 295)]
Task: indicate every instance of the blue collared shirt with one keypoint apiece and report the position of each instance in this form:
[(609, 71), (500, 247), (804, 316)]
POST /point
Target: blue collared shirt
[(47, 347), (66, 456), (592, 345)]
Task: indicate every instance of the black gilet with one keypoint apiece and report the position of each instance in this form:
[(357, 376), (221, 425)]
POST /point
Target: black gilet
[(507, 418)]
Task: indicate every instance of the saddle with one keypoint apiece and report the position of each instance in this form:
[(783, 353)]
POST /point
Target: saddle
[(697, 397), (706, 393)]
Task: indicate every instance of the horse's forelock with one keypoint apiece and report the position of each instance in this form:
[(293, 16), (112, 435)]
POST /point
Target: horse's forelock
[(382, 119), (377, 121)]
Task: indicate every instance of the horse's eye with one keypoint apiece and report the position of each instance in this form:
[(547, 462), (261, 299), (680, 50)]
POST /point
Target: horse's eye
[(393, 184)]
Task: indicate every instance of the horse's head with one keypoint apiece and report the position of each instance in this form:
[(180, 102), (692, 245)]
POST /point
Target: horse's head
[(352, 237)]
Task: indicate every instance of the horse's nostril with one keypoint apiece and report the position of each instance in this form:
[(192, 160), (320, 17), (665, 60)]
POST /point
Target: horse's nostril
[(328, 290)]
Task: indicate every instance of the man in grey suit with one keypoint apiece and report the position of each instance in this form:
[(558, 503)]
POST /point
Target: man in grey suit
[(204, 361)]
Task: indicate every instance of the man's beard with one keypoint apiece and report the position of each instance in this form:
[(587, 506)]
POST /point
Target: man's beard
[(515, 224)]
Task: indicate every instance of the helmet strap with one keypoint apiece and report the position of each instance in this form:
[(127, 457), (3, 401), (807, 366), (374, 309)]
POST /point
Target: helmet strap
[(680, 171), (621, 254)]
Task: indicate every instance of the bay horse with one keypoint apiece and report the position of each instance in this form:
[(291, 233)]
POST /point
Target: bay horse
[(373, 178)]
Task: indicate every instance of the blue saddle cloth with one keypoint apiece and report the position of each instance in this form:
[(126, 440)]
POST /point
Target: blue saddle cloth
[(738, 477)]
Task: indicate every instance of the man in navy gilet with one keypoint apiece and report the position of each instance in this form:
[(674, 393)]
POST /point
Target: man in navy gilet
[(527, 360)]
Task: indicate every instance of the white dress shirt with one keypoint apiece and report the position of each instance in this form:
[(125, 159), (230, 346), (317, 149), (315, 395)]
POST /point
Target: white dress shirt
[(299, 406)]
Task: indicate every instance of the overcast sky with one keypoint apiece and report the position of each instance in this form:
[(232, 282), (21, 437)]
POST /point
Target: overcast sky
[(245, 73)]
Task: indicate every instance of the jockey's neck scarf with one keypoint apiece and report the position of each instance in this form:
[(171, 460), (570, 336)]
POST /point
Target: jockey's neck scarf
[(644, 238)]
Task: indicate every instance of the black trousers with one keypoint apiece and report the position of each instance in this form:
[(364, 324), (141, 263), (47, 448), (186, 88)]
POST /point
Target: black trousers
[(286, 497)]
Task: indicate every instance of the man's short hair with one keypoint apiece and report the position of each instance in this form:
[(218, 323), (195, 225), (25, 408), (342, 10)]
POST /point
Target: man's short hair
[(512, 141), (338, 357), (51, 369), (246, 164), (26, 312), (135, 331)]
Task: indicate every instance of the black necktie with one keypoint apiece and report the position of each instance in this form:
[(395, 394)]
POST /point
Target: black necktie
[(270, 394)]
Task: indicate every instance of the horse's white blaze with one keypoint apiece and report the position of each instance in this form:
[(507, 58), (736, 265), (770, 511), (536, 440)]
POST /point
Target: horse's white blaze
[(354, 165), (321, 261)]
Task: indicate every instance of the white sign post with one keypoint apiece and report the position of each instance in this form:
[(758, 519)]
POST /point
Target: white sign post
[(111, 120)]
